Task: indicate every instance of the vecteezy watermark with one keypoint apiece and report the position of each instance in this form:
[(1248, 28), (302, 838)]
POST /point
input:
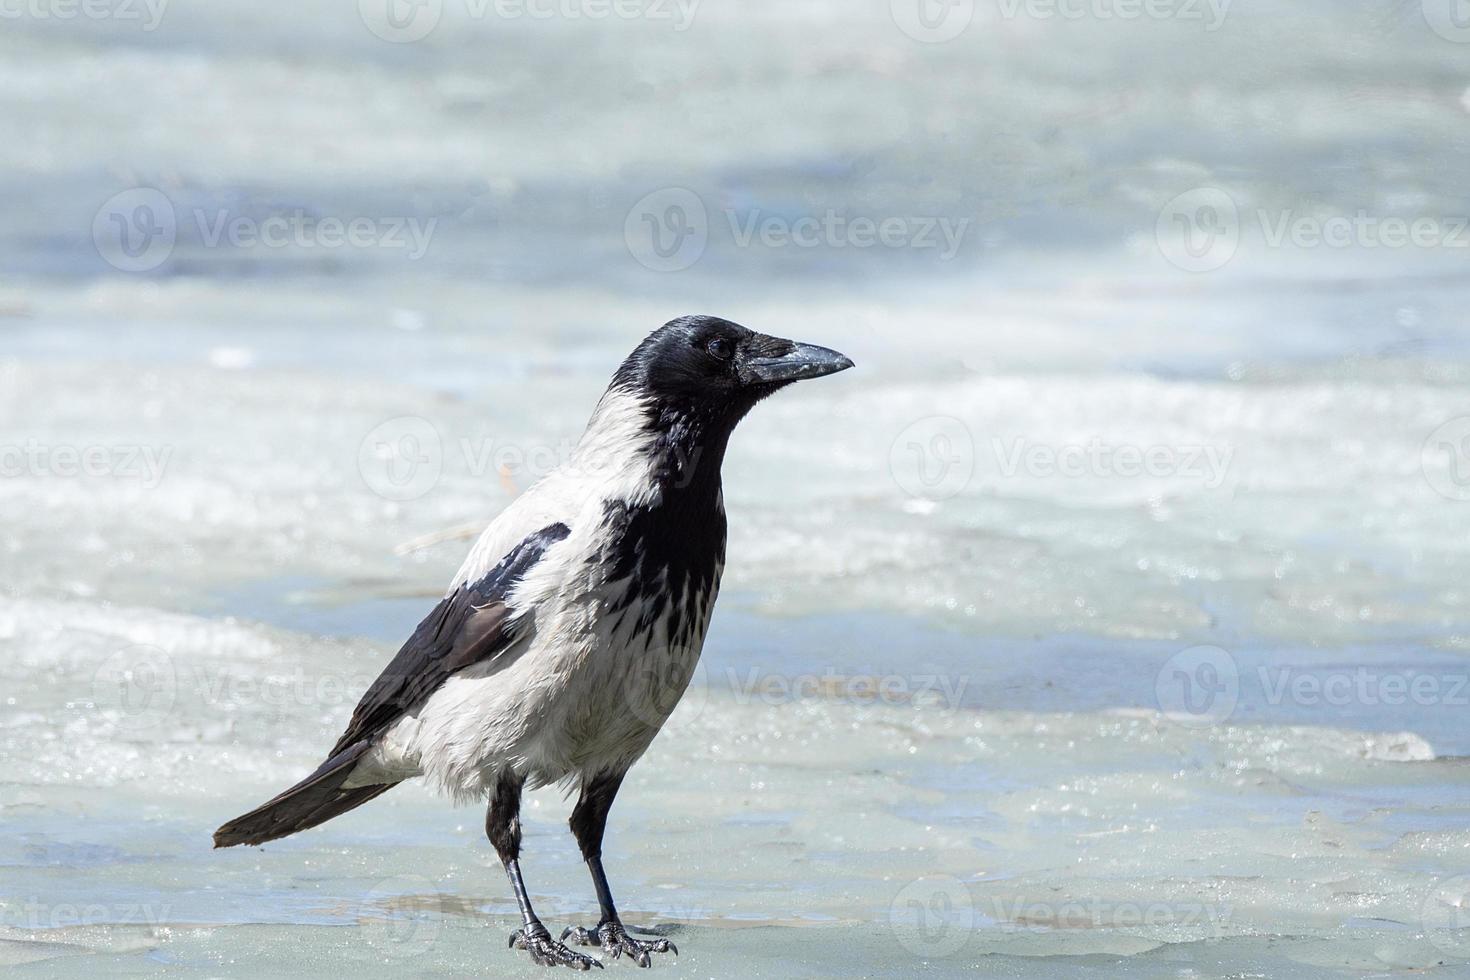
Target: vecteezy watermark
[(1363, 686), (1024, 914), (1450, 19), (406, 21), (147, 14), (936, 458), (1201, 686), (932, 21), (138, 686), (678, 14), (404, 458), (932, 917), (835, 229), (670, 687), (400, 21), (669, 230), (1207, 464), (142, 687), (137, 230), (1445, 916), (933, 458), (1445, 459), (296, 228), (665, 687), (1209, 13), (402, 917), (1198, 687), (401, 459), (1201, 230), (1361, 230), (294, 687), (145, 464), (936, 21), (34, 914), (755, 685)]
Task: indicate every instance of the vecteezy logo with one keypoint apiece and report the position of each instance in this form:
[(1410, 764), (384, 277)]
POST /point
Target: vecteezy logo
[(666, 231), (667, 689), (1445, 916), (1199, 230), (134, 231), (932, 21), (1445, 459), (1450, 19), (401, 459), (138, 684), (402, 918), (400, 21), (933, 458), (932, 916), (1198, 687)]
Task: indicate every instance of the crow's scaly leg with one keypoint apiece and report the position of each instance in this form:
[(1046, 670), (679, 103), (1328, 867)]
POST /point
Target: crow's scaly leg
[(589, 821), (503, 827)]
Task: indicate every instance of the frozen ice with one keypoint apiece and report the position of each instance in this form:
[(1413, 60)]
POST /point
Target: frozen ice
[(990, 689), (758, 827)]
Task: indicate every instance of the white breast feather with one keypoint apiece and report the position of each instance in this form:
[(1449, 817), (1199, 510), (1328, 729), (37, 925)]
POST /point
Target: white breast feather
[(587, 691)]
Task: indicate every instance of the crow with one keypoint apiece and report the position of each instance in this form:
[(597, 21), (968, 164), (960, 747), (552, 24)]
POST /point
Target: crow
[(574, 625)]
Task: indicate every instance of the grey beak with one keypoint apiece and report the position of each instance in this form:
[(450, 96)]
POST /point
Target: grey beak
[(801, 362)]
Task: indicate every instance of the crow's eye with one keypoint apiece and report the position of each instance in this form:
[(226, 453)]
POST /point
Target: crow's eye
[(720, 348)]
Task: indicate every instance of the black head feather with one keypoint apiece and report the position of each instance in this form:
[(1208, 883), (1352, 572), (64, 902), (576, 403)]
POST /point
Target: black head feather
[(697, 377), (714, 370)]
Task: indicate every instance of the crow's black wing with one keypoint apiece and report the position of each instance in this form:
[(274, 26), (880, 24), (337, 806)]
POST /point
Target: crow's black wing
[(471, 624)]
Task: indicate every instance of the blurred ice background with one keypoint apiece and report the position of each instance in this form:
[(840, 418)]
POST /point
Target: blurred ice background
[(1111, 619)]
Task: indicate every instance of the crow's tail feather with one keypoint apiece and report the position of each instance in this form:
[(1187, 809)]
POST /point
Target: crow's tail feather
[(316, 799)]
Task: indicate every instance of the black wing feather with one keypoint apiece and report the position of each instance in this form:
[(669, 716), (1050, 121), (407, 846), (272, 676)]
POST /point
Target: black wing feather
[(469, 625)]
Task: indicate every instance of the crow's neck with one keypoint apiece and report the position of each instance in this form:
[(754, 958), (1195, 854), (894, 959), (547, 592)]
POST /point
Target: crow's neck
[(663, 512), (658, 455), (686, 454)]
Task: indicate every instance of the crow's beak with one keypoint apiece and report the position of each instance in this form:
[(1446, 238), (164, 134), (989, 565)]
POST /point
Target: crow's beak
[(801, 362)]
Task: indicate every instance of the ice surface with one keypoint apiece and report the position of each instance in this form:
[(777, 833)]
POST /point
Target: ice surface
[(960, 711), (758, 825)]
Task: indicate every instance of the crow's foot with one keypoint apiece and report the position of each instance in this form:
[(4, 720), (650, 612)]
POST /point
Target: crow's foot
[(547, 951), (615, 941)]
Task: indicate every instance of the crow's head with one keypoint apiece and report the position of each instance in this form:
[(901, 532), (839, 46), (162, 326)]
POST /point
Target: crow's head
[(708, 368)]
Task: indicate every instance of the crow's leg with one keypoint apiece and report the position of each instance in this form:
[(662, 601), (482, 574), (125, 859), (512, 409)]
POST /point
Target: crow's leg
[(503, 827), (589, 820)]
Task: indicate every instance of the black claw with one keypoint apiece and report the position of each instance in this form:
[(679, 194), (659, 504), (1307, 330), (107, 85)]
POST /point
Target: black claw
[(615, 941), (547, 952)]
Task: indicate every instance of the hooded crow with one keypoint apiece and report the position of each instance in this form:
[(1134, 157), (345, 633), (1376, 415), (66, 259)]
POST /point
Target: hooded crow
[(574, 625)]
